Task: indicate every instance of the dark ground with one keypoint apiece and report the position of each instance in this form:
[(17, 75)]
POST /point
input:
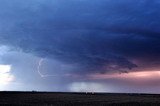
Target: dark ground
[(76, 99)]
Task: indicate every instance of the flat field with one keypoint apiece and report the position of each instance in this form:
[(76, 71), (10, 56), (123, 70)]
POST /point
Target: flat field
[(77, 99)]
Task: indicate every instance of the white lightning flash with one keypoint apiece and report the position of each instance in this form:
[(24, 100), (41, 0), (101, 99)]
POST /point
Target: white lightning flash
[(38, 68), (47, 75)]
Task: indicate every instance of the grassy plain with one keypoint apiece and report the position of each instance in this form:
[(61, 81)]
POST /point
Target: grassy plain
[(77, 99)]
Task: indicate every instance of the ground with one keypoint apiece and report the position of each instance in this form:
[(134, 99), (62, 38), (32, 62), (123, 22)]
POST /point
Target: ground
[(77, 99)]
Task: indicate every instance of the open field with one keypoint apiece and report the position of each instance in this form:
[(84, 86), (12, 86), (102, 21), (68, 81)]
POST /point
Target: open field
[(77, 99)]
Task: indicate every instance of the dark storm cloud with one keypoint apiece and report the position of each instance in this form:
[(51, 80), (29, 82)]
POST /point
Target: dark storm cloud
[(97, 36)]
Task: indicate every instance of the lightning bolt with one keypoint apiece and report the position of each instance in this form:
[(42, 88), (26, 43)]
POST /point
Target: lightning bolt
[(47, 75), (38, 68)]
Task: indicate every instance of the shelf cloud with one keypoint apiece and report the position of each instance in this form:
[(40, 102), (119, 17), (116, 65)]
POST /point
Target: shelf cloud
[(85, 37)]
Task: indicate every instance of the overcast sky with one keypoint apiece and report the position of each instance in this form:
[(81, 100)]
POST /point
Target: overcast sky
[(80, 45)]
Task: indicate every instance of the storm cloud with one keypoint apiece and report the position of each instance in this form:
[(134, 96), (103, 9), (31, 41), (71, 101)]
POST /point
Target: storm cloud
[(95, 37)]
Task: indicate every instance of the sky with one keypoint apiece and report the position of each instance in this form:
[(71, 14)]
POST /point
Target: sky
[(80, 45)]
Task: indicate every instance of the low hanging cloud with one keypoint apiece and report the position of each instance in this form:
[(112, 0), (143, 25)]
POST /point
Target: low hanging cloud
[(98, 36)]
